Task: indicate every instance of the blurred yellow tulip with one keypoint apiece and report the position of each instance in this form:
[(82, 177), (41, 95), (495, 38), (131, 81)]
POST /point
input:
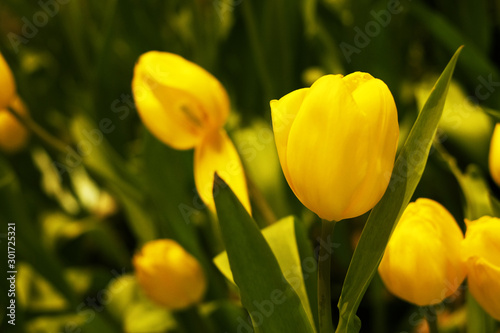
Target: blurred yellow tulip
[(481, 250), (7, 84), (494, 160), (422, 262), (337, 142), (169, 275), (186, 107), (13, 134)]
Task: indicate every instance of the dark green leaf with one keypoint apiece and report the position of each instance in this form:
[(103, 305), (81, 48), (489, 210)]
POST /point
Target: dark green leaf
[(273, 304)]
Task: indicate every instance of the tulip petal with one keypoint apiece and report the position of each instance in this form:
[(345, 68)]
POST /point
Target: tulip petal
[(7, 84), (283, 112), (216, 153), (178, 100), (484, 284), (326, 122), (494, 157), (375, 100)]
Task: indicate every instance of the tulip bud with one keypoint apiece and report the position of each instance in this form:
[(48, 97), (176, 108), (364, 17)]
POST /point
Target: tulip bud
[(7, 84), (494, 160), (481, 251), (337, 142), (13, 134), (422, 262), (169, 275), (186, 107)]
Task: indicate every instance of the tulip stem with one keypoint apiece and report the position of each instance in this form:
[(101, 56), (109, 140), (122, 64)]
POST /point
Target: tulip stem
[(324, 283), (40, 132), (432, 320)]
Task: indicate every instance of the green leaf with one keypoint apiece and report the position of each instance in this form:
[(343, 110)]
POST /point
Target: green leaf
[(407, 172), (273, 304), (285, 237)]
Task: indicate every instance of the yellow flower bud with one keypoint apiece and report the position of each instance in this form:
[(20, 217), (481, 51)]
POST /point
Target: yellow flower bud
[(494, 160), (178, 101), (13, 134), (7, 84), (186, 107), (169, 275), (422, 263), (481, 250), (337, 142)]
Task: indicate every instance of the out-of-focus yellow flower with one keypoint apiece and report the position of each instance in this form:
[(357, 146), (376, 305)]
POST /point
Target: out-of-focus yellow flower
[(13, 134), (337, 142), (7, 84), (422, 263), (481, 249), (494, 160), (186, 107), (169, 275)]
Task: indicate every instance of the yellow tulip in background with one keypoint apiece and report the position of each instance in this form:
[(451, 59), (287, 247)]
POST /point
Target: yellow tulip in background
[(169, 275), (481, 250), (13, 134), (494, 159), (7, 84), (422, 262), (337, 142), (186, 107)]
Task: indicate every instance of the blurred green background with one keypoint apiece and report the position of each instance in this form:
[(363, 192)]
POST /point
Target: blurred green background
[(83, 206)]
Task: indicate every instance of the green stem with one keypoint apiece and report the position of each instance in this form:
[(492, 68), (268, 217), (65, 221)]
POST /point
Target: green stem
[(40, 132), (432, 320), (324, 294)]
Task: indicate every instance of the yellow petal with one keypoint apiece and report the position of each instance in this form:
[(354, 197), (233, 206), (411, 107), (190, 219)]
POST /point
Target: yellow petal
[(376, 102), (178, 101), (13, 134), (283, 112), (169, 275), (482, 240), (484, 284), (216, 153), (422, 262), (494, 158), (7, 84)]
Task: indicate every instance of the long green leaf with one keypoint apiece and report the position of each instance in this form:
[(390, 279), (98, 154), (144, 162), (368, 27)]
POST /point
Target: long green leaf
[(407, 172), (287, 239), (273, 304)]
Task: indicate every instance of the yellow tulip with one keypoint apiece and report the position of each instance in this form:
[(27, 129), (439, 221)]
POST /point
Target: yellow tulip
[(13, 134), (337, 142), (7, 84), (169, 275), (494, 160), (186, 107), (422, 262), (481, 249)]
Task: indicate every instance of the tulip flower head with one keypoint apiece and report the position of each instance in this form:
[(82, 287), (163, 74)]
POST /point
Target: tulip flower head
[(186, 107), (13, 134), (337, 142), (7, 84), (169, 275), (494, 158), (422, 262), (481, 252)]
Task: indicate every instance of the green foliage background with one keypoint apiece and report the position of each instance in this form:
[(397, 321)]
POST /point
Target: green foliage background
[(78, 229)]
